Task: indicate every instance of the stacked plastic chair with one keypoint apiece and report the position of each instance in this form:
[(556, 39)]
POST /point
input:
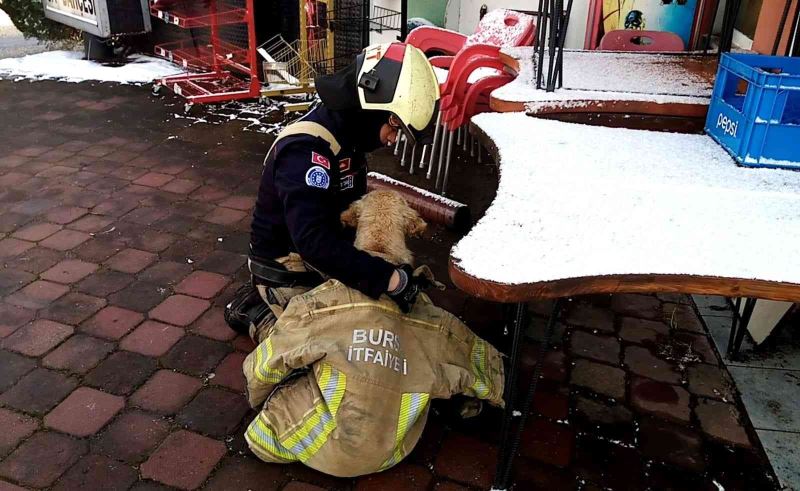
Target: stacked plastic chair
[(475, 70)]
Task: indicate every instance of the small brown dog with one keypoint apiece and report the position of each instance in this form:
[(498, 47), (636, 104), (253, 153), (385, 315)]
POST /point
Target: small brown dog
[(383, 220)]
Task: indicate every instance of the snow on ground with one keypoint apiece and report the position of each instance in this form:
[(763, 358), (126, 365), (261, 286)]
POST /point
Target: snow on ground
[(576, 201), (69, 66)]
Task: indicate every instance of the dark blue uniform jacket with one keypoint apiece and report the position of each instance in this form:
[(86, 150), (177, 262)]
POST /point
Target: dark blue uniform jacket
[(304, 188)]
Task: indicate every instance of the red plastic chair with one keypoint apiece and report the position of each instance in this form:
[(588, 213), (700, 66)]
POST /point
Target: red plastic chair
[(500, 27), (631, 40)]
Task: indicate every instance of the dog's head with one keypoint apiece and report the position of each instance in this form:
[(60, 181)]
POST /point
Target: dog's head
[(383, 219)]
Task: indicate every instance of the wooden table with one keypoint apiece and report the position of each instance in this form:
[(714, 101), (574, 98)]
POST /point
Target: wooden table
[(588, 209), (635, 90)]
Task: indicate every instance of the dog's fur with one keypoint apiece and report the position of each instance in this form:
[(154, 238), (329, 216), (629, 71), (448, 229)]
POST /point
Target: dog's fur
[(382, 220)]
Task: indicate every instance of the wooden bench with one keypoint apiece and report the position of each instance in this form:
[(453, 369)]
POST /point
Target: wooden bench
[(587, 209)]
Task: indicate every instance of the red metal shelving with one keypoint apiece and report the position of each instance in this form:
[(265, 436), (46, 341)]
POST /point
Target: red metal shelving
[(189, 15)]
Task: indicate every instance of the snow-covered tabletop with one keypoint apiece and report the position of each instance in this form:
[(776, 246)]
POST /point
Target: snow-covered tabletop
[(578, 202), (602, 78)]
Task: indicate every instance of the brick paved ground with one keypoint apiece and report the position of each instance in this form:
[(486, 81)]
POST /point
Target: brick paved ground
[(121, 237)]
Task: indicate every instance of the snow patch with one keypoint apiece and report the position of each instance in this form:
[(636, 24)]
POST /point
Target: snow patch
[(576, 201), (424, 192), (68, 66)]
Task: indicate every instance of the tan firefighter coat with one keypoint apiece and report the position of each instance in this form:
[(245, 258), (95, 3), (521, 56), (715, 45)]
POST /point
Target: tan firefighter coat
[(363, 403)]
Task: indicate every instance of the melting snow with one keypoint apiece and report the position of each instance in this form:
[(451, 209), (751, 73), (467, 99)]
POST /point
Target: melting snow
[(68, 66), (576, 200)]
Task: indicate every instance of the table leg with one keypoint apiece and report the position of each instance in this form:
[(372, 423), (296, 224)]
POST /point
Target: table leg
[(737, 333), (509, 444)]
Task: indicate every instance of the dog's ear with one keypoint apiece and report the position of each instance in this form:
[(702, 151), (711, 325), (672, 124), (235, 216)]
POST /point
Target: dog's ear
[(415, 226), (349, 217)]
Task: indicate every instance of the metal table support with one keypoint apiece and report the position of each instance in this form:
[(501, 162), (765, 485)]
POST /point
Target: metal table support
[(739, 325), (510, 439)]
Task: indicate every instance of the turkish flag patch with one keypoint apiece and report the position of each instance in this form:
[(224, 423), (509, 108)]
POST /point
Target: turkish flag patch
[(344, 165), (320, 160)]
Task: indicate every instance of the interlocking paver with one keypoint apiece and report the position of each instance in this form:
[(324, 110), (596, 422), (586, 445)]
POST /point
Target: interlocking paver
[(642, 362), (97, 250), (10, 247), (37, 338), (468, 460), (104, 283), (184, 460), (721, 421), (64, 240), (132, 436), (84, 412), (181, 186), (66, 214), (38, 391), (78, 354), (166, 392), (121, 372), (601, 348), (12, 367), (97, 472), (229, 372), (214, 412), (69, 271), (151, 338), (212, 325), (659, 398), (42, 459), (180, 310), (671, 443), (140, 296), (195, 355), (131, 260), (406, 476), (633, 305), (16, 427), (710, 381), (202, 284), (243, 203), (91, 224), (72, 308), (153, 179), (12, 318), (590, 316), (548, 442), (112, 322), (37, 232), (247, 473), (602, 379)]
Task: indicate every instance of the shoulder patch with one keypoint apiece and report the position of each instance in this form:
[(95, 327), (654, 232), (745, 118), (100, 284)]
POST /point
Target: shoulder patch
[(344, 165), (320, 160), (316, 177)]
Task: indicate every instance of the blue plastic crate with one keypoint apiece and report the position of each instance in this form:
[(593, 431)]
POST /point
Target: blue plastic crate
[(755, 109)]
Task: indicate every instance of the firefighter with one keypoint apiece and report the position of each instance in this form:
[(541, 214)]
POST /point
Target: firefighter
[(316, 168), (345, 383)]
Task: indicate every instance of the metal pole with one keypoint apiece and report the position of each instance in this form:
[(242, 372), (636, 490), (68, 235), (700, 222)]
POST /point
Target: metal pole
[(413, 158), (403, 19), (397, 143), (447, 140), (403, 158), (447, 166), (365, 23), (434, 145)]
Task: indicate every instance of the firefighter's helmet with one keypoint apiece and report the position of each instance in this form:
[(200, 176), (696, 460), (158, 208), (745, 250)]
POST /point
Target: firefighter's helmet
[(394, 78)]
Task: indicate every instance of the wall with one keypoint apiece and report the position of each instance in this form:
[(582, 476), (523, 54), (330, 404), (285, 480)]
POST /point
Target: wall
[(767, 27)]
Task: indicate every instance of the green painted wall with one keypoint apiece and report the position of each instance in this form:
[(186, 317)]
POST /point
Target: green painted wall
[(433, 10)]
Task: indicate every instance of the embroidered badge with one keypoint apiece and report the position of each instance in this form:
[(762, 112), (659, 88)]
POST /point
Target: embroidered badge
[(346, 182), (320, 160), (344, 165), (316, 177)]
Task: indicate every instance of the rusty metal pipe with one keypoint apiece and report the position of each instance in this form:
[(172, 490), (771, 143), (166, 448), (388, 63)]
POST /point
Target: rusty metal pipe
[(433, 208)]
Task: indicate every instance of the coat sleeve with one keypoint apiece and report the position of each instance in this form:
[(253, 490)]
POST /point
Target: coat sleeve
[(306, 189)]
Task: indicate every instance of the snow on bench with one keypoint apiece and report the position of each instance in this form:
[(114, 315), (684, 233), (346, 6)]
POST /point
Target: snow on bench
[(577, 201)]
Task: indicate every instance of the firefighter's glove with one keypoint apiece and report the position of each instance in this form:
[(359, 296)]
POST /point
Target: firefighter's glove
[(405, 295)]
